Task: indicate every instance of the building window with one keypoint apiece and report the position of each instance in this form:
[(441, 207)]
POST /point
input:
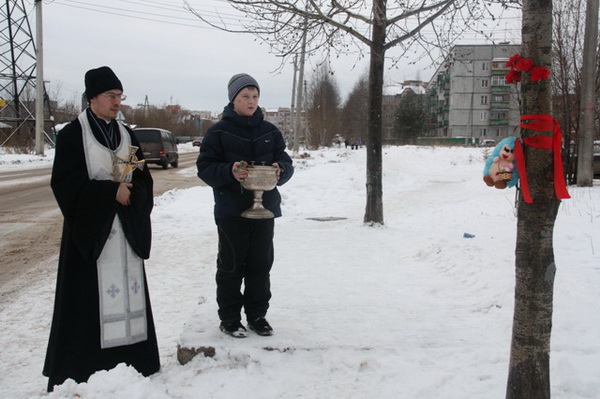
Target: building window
[(499, 132), (484, 66), (501, 98), (483, 132), (499, 115), (484, 83), (483, 116), (484, 100), (499, 64), (499, 81)]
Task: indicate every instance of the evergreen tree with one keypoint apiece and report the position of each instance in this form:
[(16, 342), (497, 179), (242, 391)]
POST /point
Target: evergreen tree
[(410, 119)]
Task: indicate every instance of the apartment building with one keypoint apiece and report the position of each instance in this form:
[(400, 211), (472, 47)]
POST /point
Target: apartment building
[(284, 119), (469, 95)]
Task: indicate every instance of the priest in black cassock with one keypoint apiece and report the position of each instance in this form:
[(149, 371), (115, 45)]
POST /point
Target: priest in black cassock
[(102, 313)]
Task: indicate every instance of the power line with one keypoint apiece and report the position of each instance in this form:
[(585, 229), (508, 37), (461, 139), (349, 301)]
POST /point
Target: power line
[(159, 17), (180, 16)]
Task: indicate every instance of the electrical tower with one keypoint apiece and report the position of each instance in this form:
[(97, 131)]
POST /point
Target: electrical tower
[(17, 77), (145, 106)]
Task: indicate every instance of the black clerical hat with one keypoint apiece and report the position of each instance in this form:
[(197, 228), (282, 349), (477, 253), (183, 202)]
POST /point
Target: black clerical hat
[(100, 80)]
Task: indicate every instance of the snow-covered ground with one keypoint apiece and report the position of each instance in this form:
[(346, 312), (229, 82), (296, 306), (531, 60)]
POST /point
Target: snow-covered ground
[(419, 308)]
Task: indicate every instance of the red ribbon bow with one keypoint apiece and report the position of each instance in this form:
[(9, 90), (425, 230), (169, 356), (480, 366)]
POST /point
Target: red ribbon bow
[(542, 123)]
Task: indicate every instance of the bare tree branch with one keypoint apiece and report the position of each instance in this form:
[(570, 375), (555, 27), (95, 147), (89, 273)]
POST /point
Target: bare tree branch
[(444, 6)]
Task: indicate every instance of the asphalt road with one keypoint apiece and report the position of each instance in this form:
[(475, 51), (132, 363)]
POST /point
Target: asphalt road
[(31, 223)]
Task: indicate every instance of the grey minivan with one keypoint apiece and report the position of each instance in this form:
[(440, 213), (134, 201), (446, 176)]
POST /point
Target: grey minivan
[(159, 146)]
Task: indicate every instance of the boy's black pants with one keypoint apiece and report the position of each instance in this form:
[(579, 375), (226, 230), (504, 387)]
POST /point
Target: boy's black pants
[(245, 256)]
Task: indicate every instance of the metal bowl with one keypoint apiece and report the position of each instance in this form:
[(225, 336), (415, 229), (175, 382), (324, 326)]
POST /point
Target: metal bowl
[(259, 180)]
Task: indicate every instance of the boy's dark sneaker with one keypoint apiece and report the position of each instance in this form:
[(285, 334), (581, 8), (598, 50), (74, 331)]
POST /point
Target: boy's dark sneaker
[(233, 328), (261, 326)]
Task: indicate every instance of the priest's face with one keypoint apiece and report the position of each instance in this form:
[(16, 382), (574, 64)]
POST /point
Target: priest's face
[(106, 105)]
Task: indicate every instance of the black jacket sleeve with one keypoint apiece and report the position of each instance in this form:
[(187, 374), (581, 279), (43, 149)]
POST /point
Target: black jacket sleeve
[(213, 168)]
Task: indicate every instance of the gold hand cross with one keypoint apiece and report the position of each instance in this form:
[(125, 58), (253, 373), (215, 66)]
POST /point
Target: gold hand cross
[(129, 164)]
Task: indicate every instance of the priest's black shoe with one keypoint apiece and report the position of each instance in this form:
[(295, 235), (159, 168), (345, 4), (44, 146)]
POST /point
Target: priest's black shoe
[(261, 326), (233, 328)]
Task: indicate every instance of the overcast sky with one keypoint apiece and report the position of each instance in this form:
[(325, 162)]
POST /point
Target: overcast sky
[(160, 50)]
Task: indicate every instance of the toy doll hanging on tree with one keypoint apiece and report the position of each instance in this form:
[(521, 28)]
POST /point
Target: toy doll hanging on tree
[(500, 168)]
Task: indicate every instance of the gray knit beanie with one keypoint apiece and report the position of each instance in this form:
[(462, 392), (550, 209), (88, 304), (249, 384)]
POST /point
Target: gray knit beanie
[(238, 82)]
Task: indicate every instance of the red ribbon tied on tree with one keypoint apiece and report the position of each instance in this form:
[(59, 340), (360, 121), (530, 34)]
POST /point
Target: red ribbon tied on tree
[(542, 123)]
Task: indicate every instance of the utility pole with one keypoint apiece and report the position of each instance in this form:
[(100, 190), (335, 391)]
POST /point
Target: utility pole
[(39, 81), (293, 107), (585, 171), (299, 97)]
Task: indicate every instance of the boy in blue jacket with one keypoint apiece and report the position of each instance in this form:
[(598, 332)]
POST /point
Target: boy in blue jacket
[(245, 245)]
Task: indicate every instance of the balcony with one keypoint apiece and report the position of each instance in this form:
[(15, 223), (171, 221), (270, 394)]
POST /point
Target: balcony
[(500, 105), (500, 88), (499, 122)]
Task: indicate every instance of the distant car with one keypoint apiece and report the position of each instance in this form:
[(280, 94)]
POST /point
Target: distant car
[(183, 139), (487, 143), (158, 145), (197, 142), (597, 158)]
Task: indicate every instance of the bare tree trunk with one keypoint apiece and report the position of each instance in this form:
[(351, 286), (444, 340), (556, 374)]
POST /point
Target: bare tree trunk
[(529, 374), (585, 157), (374, 208)]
